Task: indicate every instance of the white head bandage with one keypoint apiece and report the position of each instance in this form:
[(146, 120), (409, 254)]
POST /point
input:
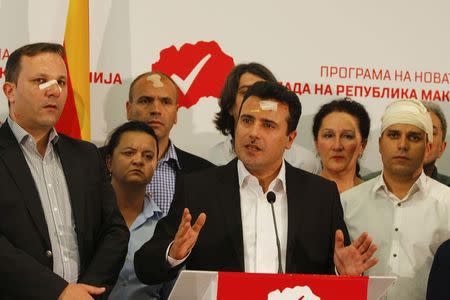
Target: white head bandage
[(48, 84), (410, 112), (156, 80)]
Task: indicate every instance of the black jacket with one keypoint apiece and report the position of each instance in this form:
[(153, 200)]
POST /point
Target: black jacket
[(25, 265)]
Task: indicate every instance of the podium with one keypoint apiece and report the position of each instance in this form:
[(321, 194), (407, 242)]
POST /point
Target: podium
[(205, 285)]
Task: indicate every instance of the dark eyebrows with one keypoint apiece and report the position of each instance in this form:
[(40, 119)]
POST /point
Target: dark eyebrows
[(129, 148), (167, 98), (410, 132), (415, 133), (269, 121), (392, 131), (247, 116), (144, 98), (149, 152)]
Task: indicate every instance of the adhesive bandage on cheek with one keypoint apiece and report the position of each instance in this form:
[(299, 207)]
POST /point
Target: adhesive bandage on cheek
[(156, 80), (48, 84)]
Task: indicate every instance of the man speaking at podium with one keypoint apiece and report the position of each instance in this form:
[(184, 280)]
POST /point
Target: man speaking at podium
[(240, 233)]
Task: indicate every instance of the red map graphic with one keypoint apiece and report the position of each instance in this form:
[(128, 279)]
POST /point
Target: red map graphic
[(202, 68)]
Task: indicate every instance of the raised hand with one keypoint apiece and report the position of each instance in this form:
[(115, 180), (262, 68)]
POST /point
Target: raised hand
[(186, 235), (355, 258), (80, 291)]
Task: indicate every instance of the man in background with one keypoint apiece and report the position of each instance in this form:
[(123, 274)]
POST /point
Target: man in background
[(405, 211), (438, 145), (153, 99), (237, 83)]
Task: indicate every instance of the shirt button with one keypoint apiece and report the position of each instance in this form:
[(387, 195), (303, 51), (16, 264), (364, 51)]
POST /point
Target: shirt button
[(395, 255), (396, 229), (399, 204), (50, 185), (55, 208), (48, 253)]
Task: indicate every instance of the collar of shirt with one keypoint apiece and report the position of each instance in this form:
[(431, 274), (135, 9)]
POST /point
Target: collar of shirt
[(171, 155), (22, 135), (419, 185), (245, 178), (150, 211)]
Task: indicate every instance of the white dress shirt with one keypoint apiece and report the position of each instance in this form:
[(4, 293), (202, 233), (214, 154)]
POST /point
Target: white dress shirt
[(406, 231), (258, 230)]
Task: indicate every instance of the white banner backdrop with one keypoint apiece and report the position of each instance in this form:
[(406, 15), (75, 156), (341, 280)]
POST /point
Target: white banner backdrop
[(322, 49)]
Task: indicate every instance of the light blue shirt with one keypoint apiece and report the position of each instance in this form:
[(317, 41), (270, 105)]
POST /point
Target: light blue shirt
[(128, 285)]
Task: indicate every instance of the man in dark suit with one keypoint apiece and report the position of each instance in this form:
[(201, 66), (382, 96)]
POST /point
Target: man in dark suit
[(438, 287), (61, 233), (239, 234)]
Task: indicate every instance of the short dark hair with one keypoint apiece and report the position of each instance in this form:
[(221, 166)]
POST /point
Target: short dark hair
[(131, 126), (274, 91), (223, 120), (13, 65), (346, 105), (146, 74)]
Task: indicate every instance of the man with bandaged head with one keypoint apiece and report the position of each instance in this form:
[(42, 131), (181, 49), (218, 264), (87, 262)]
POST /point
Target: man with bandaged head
[(61, 233), (405, 211)]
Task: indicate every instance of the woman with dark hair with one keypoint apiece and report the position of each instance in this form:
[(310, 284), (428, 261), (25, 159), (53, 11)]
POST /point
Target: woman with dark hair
[(341, 129), (235, 86), (131, 157)]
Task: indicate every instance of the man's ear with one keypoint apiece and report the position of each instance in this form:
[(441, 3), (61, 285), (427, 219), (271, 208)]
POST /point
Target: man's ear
[(291, 137), (379, 143), (428, 147), (128, 109), (9, 89), (176, 115), (442, 150)]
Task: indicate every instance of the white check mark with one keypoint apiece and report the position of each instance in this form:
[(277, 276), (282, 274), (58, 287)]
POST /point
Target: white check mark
[(185, 85)]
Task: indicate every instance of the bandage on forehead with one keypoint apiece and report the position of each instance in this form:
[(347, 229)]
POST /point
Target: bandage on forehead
[(48, 84), (268, 105), (156, 80), (410, 112)]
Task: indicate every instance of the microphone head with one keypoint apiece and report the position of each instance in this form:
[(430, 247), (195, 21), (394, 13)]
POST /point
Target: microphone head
[(271, 197)]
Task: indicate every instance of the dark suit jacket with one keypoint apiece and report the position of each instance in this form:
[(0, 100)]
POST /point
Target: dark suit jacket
[(190, 163), (314, 214), (438, 281), (25, 265)]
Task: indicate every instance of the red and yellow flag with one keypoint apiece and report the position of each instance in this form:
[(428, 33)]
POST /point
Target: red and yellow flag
[(75, 120)]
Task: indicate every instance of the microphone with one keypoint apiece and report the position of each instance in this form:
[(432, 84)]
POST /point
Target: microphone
[(271, 199)]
